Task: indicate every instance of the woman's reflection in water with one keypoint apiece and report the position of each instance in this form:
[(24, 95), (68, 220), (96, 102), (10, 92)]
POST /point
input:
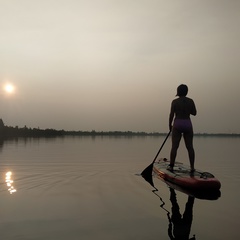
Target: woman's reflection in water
[(180, 226)]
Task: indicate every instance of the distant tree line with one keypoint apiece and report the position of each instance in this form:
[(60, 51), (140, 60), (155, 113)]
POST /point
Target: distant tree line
[(10, 132), (14, 132)]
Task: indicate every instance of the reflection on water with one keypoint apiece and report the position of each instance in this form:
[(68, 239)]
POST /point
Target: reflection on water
[(179, 226), (79, 188), (9, 182)]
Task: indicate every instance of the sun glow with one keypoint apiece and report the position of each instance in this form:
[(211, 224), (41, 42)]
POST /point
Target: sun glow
[(9, 88), (9, 182)]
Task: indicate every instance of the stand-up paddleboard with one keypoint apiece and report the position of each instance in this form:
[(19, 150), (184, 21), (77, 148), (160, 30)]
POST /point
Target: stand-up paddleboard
[(183, 177), (202, 194)]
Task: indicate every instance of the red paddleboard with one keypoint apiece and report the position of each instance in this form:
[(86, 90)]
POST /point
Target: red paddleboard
[(182, 176)]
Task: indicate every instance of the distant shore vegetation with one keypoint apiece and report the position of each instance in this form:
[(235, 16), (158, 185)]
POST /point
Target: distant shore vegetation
[(15, 132)]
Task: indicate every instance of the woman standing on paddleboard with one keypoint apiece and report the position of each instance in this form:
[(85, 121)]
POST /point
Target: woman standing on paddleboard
[(181, 109)]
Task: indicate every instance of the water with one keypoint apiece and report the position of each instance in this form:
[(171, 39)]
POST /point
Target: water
[(86, 188)]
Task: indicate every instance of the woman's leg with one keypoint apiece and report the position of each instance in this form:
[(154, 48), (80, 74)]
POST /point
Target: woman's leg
[(188, 138), (176, 137)]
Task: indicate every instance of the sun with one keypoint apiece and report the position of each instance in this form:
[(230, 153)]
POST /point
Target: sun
[(9, 88)]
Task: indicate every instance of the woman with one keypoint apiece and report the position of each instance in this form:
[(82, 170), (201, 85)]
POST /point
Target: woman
[(182, 108)]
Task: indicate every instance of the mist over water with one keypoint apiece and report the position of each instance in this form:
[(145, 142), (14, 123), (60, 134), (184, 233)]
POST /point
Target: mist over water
[(87, 188)]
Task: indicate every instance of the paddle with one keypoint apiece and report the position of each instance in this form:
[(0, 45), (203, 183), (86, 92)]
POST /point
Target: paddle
[(147, 172)]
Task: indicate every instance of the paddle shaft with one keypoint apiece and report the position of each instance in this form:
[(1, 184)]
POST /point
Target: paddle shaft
[(147, 172), (161, 147)]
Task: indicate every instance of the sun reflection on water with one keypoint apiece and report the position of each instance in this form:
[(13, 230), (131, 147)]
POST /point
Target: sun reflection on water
[(9, 182)]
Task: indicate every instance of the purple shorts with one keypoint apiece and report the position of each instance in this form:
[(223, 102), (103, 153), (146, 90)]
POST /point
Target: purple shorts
[(183, 125)]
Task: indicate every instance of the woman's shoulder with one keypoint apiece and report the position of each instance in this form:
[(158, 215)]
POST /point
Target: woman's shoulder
[(182, 100), (188, 99), (179, 99)]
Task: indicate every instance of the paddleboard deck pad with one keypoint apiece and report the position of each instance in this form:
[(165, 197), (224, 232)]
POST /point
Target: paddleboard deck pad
[(183, 177)]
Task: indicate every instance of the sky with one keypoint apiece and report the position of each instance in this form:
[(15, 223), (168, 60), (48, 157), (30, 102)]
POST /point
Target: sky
[(109, 65)]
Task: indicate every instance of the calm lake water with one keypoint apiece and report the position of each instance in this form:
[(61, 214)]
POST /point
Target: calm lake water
[(89, 188)]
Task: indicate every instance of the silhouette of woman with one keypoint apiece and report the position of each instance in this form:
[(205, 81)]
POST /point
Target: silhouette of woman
[(181, 109)]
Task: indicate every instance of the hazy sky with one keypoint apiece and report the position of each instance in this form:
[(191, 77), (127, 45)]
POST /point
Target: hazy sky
[(115, 64)]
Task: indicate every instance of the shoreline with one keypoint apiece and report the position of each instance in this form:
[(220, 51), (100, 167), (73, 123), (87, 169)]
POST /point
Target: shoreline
[(15, 132)]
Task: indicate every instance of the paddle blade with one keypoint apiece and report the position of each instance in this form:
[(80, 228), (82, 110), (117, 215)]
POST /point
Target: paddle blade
[(147, 174), (148, 170)]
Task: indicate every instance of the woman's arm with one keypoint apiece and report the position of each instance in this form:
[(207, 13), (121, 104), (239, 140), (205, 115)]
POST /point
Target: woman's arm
[(194, 110), (171, 116)]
